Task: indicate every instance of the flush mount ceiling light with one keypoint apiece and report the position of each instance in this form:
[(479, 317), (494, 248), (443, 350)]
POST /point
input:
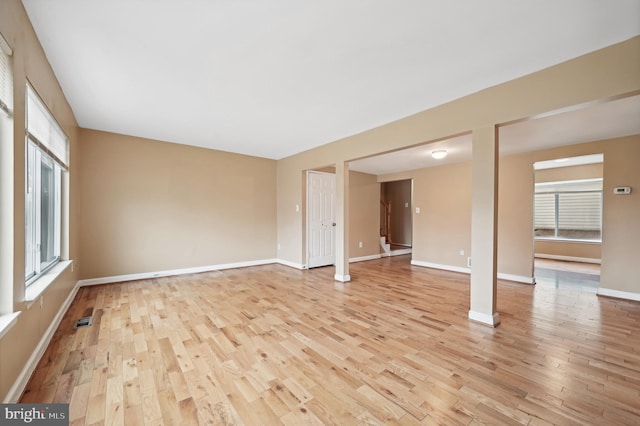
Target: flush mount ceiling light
[(439, 154)]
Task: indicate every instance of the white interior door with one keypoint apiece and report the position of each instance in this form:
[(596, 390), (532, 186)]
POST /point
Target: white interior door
[(321, 219)]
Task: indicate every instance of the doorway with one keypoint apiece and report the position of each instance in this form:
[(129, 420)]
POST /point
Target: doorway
[(321, 219), (396, 226), (568, 222)]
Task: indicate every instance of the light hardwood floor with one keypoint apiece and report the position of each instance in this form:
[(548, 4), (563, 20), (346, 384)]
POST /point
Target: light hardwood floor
[(274, 345)]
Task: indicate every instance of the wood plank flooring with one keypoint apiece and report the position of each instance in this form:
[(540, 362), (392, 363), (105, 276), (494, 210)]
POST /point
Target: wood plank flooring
[(273, 345)]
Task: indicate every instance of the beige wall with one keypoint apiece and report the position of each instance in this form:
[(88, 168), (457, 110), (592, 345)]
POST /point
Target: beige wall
[(584, 171), (568, 249), (621, 216), (30, 63), (563, 248), (443, 226), (515, 215), (148, 205), (620, 227), (364, 218), (603, 74), (153, 206), (608, 73)]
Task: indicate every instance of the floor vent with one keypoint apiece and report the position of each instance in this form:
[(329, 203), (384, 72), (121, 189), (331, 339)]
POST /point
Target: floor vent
[(84, 322)]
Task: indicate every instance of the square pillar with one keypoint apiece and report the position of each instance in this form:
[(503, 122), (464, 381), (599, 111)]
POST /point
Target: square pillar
[(342, 222), (484, 226)]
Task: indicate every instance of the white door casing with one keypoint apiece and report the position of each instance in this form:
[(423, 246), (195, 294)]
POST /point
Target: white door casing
[(321, 219)]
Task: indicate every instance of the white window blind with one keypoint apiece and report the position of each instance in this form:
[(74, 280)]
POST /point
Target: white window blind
[(545, 211), (6, 80), (569, 210), (580, 211), (44, 129)]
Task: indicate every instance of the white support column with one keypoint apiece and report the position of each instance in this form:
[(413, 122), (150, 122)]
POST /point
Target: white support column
[(342, 222), (484, 226)]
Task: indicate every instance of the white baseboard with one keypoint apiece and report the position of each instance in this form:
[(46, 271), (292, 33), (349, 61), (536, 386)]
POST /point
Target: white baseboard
[(402, 244), (400, 252), (342, 278), (464, 270), (172, 272), (618, 294), (22, 380), (487, 319), (365, 258), (291, 264), (567, 258), (517, 278), (443, 267)]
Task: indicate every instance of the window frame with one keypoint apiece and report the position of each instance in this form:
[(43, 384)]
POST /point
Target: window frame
[(39, 157), (557, 208), (6, 78)]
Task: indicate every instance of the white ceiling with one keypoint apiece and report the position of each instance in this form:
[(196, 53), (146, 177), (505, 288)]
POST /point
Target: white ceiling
[(273, 78)]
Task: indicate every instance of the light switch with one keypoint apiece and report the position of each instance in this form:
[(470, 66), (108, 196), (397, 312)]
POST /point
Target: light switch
[(417, 209)]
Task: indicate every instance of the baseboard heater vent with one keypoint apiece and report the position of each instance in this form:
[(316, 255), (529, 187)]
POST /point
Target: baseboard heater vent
[(83, 322)]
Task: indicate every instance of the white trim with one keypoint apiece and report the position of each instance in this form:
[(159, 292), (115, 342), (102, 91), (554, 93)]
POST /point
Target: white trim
[(35, 289), (365, 258), (443, 267), (487, 319), (22, 380), (608, 292), (542, 239), (568, 258), (517, 278), (172, 272), (7, 321), (291, 264), (342, 278), (463, 270), (4, 45), (399, 252)]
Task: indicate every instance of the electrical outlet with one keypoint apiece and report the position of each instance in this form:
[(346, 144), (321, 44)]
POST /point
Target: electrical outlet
[(360, 244), (469, 262), (461, 252)]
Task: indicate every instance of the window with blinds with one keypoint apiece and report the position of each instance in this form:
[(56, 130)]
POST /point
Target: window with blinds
[(6, 80), (46, 160), (569, 210)]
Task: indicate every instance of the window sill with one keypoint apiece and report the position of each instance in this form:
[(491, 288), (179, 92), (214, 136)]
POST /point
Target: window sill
[(7, 321), (36, 288), (567, 240)]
